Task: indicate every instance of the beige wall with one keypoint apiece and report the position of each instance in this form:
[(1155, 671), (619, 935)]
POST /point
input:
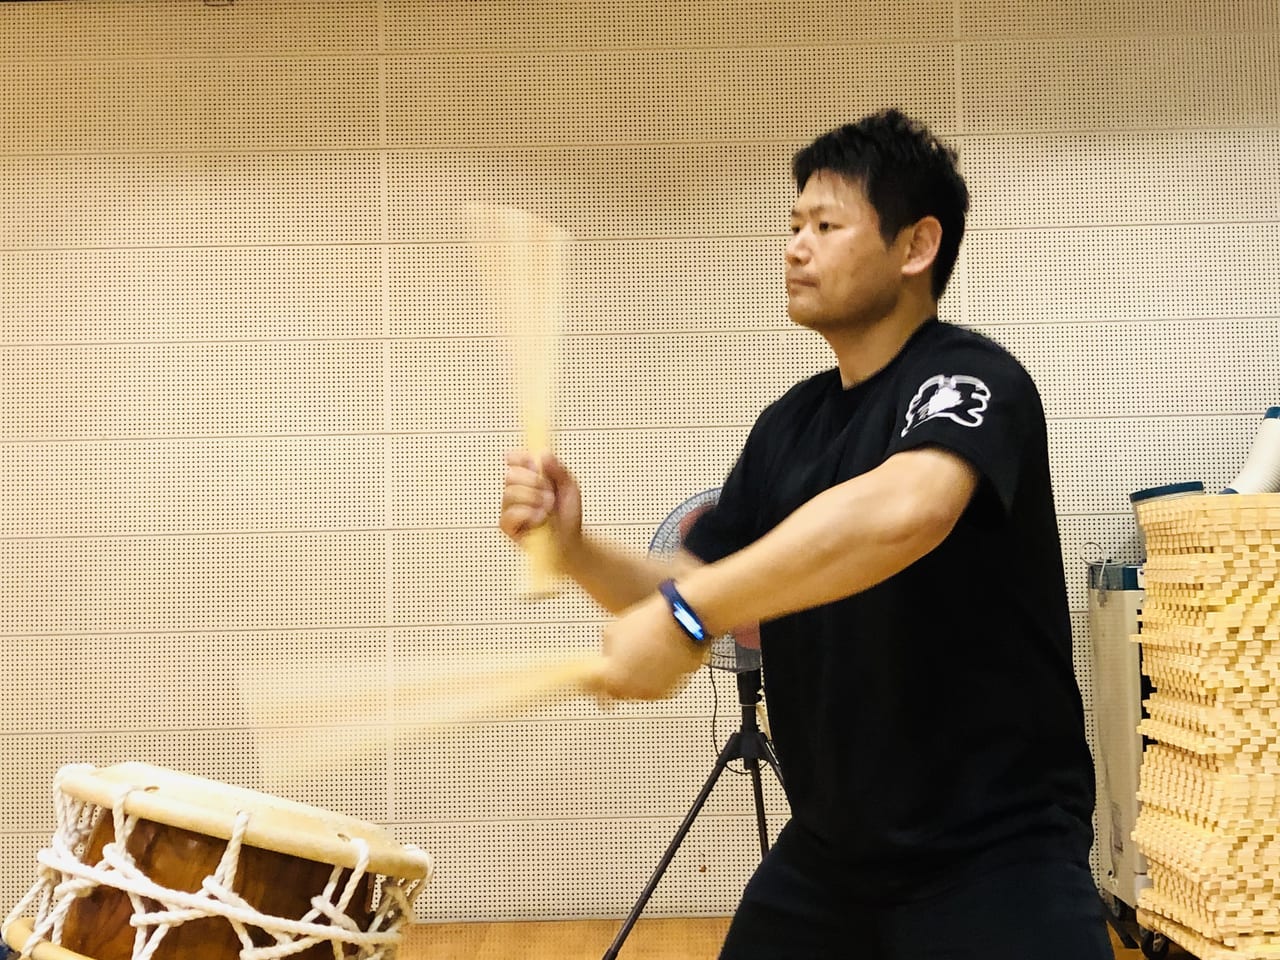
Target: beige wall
[(255, 410)]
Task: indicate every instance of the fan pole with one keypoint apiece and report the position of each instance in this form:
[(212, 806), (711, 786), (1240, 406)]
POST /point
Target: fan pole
[(748, 744), (754, 746)]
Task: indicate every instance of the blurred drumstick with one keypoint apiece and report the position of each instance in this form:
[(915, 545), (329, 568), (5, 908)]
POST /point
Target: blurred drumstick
[(433, 692), (522, 259), (318, 715)]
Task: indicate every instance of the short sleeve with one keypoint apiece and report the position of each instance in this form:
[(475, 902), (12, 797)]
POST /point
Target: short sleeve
[(978, 402)]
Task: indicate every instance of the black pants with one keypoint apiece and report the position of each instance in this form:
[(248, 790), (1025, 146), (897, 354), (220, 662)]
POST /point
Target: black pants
[(797, 908)]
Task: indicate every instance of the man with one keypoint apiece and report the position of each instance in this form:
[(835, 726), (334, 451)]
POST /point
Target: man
[(890, 523)]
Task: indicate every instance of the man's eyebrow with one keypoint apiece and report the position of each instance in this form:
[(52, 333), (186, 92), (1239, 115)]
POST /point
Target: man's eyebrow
[(816, 210)]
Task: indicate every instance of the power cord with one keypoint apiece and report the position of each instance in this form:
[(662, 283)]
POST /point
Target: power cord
[(715, 710)]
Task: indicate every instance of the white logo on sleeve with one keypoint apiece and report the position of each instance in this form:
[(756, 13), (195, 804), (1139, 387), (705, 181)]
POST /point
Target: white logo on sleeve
[(958, 398)]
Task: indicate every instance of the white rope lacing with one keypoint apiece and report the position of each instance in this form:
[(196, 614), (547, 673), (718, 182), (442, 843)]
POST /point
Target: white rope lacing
[(63, 877)]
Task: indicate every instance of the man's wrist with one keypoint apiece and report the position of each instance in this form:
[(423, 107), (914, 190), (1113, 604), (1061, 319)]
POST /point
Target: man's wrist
[(685, 617), (572, 550)]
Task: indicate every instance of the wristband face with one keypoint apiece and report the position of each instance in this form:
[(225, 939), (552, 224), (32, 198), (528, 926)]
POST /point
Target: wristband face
[(683, 613)]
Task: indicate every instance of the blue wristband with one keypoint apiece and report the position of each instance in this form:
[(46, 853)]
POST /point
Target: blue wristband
[(683, 613)]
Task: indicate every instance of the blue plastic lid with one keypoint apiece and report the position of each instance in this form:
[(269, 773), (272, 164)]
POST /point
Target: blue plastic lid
[(1273, 413), (1168, 490)]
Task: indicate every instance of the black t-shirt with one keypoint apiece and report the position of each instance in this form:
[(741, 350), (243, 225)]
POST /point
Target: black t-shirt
[(932, 722)]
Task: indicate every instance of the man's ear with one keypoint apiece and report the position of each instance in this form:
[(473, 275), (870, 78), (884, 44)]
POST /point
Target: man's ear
[(925, 236)]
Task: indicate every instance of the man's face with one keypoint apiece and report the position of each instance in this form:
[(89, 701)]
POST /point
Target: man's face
[(840, 272)]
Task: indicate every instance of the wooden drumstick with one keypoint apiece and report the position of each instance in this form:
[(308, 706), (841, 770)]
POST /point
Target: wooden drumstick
[(522, 259), (434, 695), (499, 690), (436, 691)]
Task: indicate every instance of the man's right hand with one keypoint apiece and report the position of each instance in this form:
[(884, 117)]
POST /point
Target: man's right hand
[(542, 491)]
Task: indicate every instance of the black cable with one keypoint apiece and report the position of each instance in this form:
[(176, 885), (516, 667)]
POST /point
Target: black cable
[(715, 709)]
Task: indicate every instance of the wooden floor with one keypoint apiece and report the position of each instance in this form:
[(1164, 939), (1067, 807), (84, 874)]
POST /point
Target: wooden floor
[(683, 939)]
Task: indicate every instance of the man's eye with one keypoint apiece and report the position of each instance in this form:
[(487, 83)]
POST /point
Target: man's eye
[(794, 229), (823, 226)]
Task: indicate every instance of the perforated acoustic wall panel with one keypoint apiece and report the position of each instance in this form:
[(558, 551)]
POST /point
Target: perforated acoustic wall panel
[(256, 404)]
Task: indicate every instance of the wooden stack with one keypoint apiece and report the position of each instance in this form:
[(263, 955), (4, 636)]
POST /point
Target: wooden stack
[(1210, 820)]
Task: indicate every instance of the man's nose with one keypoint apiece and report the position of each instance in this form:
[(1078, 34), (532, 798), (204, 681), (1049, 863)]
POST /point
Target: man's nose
[(797, 250)]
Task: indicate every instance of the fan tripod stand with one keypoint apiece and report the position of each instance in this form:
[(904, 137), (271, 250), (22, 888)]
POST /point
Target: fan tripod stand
[(748, 744)]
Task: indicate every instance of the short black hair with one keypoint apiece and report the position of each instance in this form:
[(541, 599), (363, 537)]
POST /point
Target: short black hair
[(906, 172)]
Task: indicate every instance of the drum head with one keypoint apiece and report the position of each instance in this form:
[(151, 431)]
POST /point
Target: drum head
[(211, 808)]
